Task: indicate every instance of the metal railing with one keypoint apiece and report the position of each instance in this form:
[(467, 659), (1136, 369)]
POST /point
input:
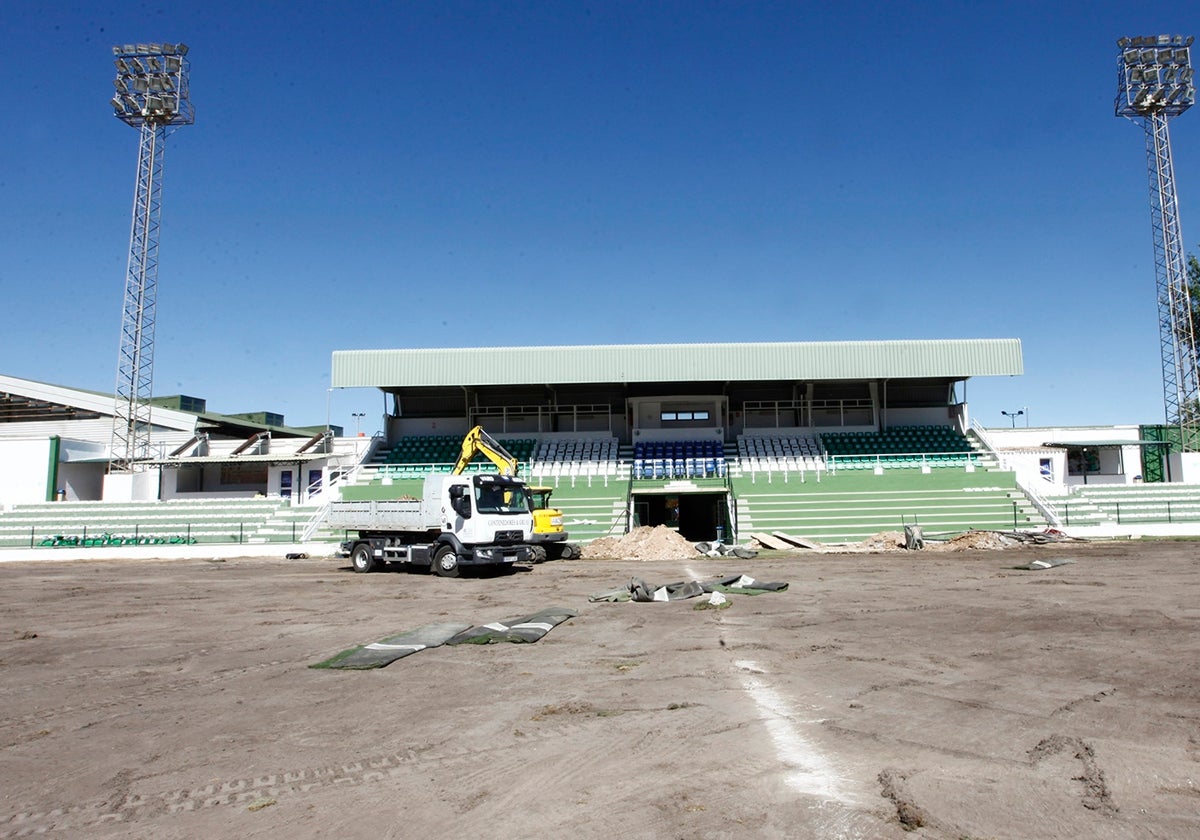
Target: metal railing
[(904, 460), (88, 536)]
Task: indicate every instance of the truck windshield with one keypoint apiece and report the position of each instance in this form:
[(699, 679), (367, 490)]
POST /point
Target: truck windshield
[(500, 498)]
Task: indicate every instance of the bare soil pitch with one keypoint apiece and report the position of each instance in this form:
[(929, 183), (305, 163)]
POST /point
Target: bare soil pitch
[(923, 694)]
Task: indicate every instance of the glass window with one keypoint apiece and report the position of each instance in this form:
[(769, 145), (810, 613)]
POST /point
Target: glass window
[(500, 498)]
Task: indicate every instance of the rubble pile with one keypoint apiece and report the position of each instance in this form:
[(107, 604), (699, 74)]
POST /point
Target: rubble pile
[(973, 540)]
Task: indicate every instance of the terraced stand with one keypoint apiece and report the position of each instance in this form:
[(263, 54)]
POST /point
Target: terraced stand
[(851, 506), (173, 522)]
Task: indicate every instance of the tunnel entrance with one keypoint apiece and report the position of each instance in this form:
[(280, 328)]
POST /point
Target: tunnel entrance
[(696, 516)]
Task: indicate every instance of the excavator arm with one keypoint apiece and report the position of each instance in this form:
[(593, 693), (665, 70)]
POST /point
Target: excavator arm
[(478, 441)]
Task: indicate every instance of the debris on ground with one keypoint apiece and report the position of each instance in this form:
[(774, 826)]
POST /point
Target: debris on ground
[(526, 629), (663, 543), (1047, 563), (716, 601), (640, 590), (981, 540), (776, 543), (642, 543), (966, 541), (719, 549)]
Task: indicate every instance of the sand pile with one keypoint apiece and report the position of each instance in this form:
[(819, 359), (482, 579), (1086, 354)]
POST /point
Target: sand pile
[(884, 541), (973, 539), (644, 543), (894, 541)]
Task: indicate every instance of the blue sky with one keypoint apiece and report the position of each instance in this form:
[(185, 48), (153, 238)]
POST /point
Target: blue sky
[(459, 174)]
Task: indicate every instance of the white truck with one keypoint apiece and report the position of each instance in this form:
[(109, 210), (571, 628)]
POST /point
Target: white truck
[(463, 520)]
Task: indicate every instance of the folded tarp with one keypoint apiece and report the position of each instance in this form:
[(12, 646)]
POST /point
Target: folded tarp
[(527, 628), (744, 585), (639, 590), (386, 651), (380, 654)]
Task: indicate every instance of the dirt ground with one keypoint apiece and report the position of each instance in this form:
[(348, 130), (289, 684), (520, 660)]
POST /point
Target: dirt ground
[(906, 694)]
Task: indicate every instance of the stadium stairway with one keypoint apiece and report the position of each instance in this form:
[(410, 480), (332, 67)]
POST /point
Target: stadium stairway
[(850, 507)]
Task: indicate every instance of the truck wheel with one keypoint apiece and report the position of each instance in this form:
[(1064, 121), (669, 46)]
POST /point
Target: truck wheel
[(570, 551), (445, 562), (363, 558), (537, 554)]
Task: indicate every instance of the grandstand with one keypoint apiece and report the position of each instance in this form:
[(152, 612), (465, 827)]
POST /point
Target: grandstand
[(630, 435)]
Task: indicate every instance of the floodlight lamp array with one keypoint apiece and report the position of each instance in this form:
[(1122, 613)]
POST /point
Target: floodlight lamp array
[(152, 85), (1155, 76)]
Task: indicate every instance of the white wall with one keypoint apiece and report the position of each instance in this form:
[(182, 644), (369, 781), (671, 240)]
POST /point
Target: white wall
[(81, 482), (132, 487), (26, 470)]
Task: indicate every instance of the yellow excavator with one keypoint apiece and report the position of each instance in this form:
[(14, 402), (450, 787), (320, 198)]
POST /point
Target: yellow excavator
[(549, 537)]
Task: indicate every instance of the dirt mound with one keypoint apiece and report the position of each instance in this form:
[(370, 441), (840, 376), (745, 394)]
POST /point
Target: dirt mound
[(894, 541), (973, 540), (884, 541), (644, 543)]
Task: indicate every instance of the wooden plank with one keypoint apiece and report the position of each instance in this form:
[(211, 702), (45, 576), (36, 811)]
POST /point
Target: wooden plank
[(769, 541), (798, 542)]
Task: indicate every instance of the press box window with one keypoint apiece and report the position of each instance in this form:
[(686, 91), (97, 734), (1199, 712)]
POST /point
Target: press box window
[(684, 416)]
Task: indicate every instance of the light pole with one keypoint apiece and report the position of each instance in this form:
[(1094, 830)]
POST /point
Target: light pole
[(1013, 415), (151, 96), (1155, 82), (358, 416)]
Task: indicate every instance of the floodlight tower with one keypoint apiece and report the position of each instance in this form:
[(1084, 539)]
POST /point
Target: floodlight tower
[(1154, 83), (152, 96)]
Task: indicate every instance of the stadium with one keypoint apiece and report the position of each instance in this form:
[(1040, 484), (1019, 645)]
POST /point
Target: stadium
[(827, 441), (853, 611)]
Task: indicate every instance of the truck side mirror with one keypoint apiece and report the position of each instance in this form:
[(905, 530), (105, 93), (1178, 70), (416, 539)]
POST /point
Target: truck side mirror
[(461, 505)]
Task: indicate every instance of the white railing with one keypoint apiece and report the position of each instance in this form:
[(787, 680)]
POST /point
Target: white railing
[(314, 522), (1045, 508), (892, 460)]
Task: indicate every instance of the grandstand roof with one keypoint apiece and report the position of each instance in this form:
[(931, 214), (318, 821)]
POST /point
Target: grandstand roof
[(811, 360), (26, 401)]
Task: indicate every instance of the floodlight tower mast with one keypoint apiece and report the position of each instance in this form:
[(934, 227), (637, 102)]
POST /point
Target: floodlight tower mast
[(152, 96), (1154, 83)]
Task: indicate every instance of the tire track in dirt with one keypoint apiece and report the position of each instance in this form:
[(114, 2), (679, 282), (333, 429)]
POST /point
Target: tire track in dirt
[(124, 806), (42, 716), (130, 807)]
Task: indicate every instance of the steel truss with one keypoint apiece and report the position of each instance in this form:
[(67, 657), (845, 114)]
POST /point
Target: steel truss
[(135, 362), (1177, 332)]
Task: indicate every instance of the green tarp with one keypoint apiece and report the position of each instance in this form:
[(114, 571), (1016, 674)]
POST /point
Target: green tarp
[(386, 651), (526, 629), (639, 590)]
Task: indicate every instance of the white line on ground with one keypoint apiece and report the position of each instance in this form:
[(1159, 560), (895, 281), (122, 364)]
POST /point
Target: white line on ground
[(809, 772)]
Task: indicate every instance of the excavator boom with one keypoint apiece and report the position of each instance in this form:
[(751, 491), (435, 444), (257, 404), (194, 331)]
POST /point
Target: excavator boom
[(478, 442)]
